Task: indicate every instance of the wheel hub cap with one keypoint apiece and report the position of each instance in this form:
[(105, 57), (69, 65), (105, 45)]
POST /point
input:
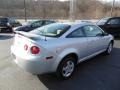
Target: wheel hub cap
[(68, 69), (110, 48)]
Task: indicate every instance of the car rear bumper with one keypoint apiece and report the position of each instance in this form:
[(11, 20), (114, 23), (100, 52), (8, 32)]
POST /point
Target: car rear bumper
[(35, 66)]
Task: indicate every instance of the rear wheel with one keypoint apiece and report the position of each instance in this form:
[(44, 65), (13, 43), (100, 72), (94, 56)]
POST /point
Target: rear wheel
[(66, 68)]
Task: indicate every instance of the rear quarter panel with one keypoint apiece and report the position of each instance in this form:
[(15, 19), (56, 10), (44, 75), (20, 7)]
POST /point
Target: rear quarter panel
[(58, 48)]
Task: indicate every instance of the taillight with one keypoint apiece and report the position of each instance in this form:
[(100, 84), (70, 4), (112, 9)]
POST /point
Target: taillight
[(25, 47), (35, 50)]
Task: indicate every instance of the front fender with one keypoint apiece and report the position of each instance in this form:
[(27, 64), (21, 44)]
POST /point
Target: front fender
[(111, 38)]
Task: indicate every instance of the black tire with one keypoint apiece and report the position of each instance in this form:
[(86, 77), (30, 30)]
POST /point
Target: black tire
[(61, 73), (109, 48)]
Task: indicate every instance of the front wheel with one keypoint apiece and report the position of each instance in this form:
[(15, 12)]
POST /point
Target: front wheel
[(66, 68), (109, 48)]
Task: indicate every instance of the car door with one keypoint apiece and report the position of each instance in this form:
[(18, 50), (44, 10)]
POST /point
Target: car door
[(96, 39), (113, 26), (78, 40)]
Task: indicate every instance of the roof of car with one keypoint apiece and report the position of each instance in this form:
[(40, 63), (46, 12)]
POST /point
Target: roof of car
[(33, 21), (3, 18), (73, 24), (41, 20), (82, 23), (110, 17)]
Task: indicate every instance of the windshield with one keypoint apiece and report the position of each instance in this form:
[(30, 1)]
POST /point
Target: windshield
[(52, 30), (29, 22), (102, 21)]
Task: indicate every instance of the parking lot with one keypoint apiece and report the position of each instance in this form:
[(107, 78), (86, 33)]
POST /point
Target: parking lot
[(99, 73)]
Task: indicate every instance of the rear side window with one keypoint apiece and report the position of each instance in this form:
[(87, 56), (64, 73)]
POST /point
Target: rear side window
[(77, 33)]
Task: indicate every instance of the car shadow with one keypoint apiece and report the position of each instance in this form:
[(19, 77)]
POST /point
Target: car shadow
[(99, 73), (117, 37), (5, 36)]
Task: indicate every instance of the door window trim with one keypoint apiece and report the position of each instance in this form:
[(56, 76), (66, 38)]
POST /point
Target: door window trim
[(68, 36), (96, 27), (112, 19)]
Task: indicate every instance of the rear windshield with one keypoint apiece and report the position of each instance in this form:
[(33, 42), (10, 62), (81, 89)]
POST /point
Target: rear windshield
[(52, 30)]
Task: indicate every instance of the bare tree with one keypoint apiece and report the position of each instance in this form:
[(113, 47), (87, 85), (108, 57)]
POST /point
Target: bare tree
[(85, 9)]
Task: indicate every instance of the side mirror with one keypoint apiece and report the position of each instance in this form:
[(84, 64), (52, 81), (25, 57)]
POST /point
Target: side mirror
[(105, 34), (107, 24), (99, 34)]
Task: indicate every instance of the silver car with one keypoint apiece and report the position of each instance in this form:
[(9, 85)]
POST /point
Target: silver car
[(59, 47)]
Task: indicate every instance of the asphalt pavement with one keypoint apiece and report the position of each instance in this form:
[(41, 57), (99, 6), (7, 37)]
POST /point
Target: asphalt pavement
[(99, 73)]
